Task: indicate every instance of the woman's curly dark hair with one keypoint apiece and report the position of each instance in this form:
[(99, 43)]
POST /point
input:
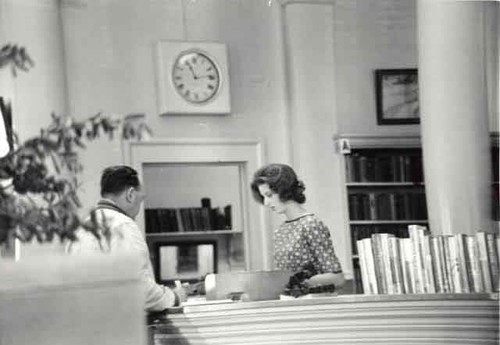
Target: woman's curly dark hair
[(282, 180)]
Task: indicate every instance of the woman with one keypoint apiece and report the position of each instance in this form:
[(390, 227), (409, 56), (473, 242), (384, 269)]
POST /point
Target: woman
[(302, 240)]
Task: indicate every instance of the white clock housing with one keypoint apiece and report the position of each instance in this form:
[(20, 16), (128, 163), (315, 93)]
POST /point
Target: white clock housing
[(192, 78)]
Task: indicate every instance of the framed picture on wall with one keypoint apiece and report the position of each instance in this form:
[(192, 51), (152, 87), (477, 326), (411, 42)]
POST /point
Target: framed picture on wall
[(397, 96)]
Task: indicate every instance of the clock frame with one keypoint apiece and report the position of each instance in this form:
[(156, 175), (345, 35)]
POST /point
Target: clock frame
[(172, 99)]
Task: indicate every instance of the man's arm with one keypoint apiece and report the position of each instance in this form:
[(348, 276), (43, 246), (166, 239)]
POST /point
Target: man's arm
[(158, 297)]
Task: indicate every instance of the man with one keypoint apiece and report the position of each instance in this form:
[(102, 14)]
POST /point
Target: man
[(122, 196)]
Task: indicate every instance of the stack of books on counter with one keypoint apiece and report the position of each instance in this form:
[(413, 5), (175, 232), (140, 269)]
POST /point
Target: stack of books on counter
[(429, 264)]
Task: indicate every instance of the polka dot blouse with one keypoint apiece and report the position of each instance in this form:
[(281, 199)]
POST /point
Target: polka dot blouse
[(305, 240)]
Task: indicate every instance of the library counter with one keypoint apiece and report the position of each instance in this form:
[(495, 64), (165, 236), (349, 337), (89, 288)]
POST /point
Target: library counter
[(345, 319)]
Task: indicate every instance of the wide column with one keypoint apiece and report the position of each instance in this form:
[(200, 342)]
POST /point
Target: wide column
[(454, 115)]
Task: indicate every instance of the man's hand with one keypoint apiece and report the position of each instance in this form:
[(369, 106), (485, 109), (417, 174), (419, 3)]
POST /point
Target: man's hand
[(181, 291), (181, 295)]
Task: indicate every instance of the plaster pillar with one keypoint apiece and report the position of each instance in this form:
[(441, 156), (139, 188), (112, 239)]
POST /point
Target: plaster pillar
[(452, 44)]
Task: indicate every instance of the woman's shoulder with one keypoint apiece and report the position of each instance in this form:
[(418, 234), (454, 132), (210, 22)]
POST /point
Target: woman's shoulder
[(309, 220), (312, 223)]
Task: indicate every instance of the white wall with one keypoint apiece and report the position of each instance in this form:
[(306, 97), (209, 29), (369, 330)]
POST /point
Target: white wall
[(35, 25), (369, 35)]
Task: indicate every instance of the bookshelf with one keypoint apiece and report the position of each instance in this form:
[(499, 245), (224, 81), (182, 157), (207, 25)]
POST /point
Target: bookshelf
[(385, 188), (189, 219), (178, 239)]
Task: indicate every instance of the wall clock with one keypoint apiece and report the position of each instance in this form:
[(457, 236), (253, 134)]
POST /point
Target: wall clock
[(193, 78)]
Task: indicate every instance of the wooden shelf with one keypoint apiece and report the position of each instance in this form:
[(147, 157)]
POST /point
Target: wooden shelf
[(385, 184), (193, 234), (377, 222)]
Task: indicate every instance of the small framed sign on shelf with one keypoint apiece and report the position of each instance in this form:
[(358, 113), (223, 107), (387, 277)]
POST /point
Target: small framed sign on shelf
[(397, 96), (186, 260)]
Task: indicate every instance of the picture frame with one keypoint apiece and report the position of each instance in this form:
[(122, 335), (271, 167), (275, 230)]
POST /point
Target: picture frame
[(397, 100), (171, 99), (187, 261)]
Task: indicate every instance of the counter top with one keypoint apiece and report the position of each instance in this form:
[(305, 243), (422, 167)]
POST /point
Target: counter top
[(467, 319), (221, 305)]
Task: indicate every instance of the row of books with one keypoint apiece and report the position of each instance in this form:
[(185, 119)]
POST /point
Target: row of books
[(160, 220), (384, 168), (358, 232), (429, 264), (387, 206)]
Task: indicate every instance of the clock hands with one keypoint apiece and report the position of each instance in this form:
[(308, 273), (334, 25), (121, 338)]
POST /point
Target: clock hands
[(192, 71), (196, 77)]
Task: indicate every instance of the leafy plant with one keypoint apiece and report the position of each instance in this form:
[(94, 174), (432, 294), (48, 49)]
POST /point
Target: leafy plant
[(17, 58), (39, 177)]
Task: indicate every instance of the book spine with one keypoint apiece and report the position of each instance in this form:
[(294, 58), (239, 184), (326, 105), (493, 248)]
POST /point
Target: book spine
[(493, 259), (428, 271), (179, 220), (444, 264), (362, 169), (379, 264), (436, 264), (395, 261), (454, 265), (406, 257), (349, 169), (386, 262), (459, 238), (477, 279), (372, 206), (363, 268), (370, 265), (416, 233), (482, 248), (172, 219), (448, 262), (228, 217)]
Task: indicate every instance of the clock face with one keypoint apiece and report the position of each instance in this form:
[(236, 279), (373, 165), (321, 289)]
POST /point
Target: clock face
[(196, 77)]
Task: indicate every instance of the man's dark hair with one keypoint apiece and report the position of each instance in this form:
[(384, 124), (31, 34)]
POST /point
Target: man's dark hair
[(117, 178)]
